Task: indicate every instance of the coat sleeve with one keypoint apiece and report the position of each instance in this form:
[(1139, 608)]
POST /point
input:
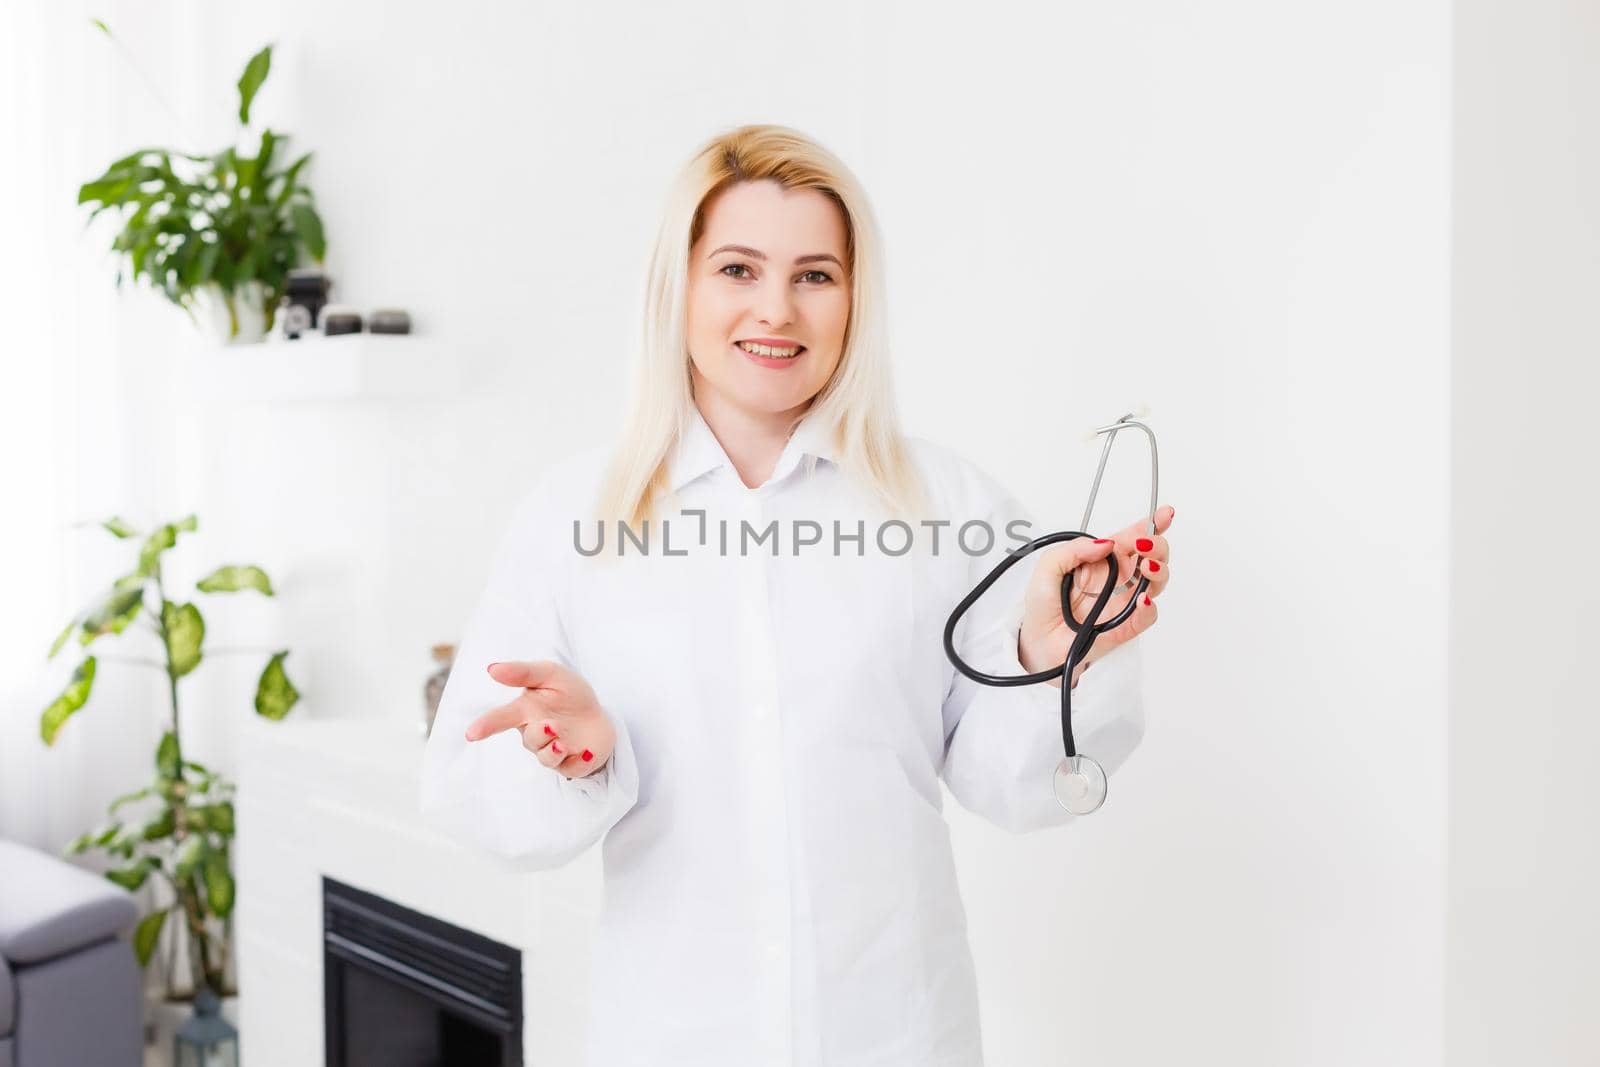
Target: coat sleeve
[(1003, 744), (494, 793)]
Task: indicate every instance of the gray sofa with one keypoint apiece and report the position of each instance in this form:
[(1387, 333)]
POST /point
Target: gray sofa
[(70, 989)]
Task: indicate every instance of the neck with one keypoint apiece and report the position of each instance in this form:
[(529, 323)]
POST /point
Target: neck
[(753, 440)]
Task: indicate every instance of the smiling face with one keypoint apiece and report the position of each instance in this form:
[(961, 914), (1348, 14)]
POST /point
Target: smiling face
[(767, 277)]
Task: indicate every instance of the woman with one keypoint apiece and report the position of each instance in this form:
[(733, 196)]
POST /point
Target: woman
[(753, 706)]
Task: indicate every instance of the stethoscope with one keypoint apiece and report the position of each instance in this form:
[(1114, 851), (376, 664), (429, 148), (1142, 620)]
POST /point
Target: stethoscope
[(1080, 782)]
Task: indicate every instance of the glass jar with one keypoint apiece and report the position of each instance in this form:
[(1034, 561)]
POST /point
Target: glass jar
[(445, 657)]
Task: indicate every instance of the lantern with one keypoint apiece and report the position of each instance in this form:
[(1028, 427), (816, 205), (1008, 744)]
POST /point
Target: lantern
[(206, 1039)]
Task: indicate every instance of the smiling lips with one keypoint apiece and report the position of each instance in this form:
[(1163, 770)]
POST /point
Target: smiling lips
[(772, 348)]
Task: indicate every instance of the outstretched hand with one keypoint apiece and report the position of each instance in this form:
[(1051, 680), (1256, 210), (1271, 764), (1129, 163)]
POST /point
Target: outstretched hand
[(557, 713)]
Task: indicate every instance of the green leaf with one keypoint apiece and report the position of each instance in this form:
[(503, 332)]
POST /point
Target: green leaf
[(71, 699), (219, 884), (289, 177), (129, 798), (190, 853), (132, 876), (255, 72), (246, 270), (161, 539), (227, 168), (167, 755), (275, 694), (258, 183), (231, 579), (120, 608), (119, 527), (218, 817), (107, 191), (309, 225), (102, 26), (61, 639), (206, 264), (147, 933), (161, 826), (207, 775), (132, 160), (184, 630)]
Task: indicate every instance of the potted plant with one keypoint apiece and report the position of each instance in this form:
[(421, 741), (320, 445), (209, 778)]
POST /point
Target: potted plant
[(179, 827), (219, 232)]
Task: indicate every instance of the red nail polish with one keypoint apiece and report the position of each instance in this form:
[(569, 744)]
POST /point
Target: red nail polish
[(1154, 566), (1146, 601), (555, 746), (587, 755), (1144, 544), (549, 731), (1102, 540)]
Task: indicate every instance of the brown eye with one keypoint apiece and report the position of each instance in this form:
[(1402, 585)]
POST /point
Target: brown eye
[(734, 266), (820, 275)]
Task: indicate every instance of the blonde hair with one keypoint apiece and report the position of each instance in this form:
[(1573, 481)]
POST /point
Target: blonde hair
[(857, 402)]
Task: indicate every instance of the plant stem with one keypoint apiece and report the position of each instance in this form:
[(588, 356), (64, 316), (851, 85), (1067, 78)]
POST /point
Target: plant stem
[(185, 893), (199, 940), (172, 674)]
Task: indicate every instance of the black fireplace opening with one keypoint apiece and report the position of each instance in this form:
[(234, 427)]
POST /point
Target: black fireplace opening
[(404, 989)]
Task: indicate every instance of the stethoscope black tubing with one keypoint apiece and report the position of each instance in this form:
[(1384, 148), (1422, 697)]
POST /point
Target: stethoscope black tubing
[(1087, 633)]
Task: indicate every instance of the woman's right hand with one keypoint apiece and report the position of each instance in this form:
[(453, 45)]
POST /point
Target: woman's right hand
[(561, 720)]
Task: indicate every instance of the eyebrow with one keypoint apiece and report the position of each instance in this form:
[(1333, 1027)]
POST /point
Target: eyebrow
[(753, 254)]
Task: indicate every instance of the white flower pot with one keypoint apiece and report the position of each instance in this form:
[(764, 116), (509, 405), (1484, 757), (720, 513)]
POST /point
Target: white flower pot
[(212, 309)]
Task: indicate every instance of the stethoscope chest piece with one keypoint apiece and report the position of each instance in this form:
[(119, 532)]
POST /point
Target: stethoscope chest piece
[(1080, 785)]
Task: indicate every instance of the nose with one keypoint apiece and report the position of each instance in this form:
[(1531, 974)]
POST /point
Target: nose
[(774, 302)]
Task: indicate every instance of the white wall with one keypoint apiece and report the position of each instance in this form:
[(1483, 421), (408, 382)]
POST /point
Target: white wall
[(1524, 971), (85, 425), (1235, 212)]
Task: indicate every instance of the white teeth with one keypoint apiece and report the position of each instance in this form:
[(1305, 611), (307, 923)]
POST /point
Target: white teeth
[(765, 350)]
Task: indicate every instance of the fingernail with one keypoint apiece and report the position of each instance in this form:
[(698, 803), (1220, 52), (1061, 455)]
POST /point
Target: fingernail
[(492, 666), (1146, 601), (470, 736), (1144, 544), (1154, 566), (1102, 540), (555, 746), (587, 755), (549, 731)]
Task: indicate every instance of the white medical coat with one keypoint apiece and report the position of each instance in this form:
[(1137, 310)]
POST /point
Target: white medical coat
[(779, 883)]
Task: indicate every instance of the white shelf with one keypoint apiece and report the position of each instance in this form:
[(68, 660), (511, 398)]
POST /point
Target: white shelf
[(346, 368)]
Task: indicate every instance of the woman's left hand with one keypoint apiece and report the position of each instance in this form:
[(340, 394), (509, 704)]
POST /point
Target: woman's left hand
[(1045, 636)]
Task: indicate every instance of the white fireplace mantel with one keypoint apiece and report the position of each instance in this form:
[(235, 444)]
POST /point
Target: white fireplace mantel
[(338, 797)]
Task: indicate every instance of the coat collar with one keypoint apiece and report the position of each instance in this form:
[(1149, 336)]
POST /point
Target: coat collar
[(699, 452)]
